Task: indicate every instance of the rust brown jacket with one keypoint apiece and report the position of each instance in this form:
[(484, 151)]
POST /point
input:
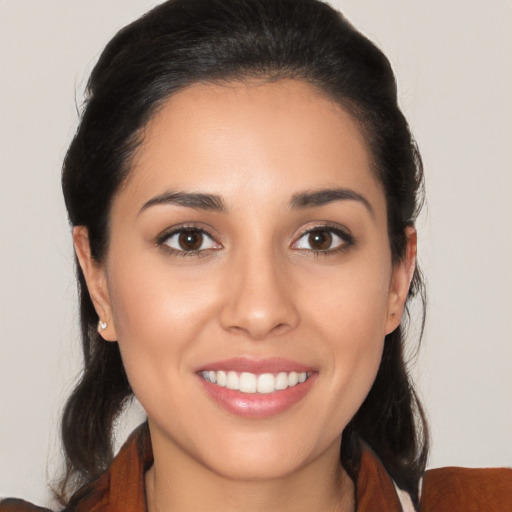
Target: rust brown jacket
[(121, 488)]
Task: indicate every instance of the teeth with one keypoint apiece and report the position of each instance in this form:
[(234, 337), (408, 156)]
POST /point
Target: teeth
[(293, 378), (251, 383), (248, 383), (282, 380), (232, 380), (266, 383), (221, 378)]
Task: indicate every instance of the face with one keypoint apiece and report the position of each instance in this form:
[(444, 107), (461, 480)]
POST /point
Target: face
[(248, 279)]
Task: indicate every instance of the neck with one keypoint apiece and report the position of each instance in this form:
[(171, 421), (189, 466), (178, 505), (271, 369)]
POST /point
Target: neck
[(179, 483)]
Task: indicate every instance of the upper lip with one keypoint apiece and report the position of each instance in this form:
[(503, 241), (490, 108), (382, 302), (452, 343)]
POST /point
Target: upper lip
[(258, 366)]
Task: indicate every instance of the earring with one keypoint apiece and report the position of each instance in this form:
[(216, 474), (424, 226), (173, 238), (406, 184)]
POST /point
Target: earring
[(102, 325)]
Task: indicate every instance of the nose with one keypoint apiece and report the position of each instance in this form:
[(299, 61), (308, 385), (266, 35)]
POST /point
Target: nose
[(259, 298)]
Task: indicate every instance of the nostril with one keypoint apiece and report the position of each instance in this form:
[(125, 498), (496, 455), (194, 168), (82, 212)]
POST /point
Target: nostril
[(258, 304), (259, 332), (280, 329)]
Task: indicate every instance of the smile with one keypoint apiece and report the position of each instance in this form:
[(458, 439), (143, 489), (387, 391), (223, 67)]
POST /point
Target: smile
[(256, 388), (247, 382)]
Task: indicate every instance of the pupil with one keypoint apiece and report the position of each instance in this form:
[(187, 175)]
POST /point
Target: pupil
[(190, 240), (320, 240)]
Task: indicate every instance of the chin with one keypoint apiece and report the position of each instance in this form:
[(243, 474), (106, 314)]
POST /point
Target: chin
[(263, 456), (256, 467)]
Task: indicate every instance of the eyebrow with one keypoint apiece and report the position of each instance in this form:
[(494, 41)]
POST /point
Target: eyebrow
[(329, 195), (212, 202), (199, 201)]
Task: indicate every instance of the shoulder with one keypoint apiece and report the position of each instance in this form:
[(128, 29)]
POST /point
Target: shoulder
[(470, 490), (119, 489), (14, 505)]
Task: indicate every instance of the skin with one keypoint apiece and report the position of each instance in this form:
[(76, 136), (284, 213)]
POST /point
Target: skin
[(258, 289)]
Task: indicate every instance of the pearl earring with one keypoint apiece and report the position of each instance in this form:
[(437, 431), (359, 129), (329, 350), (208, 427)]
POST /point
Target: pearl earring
[(103, 325)]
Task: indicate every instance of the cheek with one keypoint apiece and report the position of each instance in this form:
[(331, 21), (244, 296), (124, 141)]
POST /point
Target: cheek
[(148, 296), (350, 315), (351, 302), (158, 316), (356, 338), (356, 351)]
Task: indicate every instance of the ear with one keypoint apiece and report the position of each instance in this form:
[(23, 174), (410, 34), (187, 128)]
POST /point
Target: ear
[(96, 280), (403, 272)]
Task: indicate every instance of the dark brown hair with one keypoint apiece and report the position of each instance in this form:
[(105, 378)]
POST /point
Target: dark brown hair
[(182, 42)]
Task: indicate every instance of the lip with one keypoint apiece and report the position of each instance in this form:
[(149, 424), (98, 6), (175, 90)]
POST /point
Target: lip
[(257, 405), (247, 364)]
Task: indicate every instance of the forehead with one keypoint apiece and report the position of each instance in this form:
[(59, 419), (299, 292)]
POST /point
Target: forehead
[(261, 136)]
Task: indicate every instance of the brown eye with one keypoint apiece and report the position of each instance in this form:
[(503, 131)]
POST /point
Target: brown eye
[(189, 241), (320, 240), (324, 240)]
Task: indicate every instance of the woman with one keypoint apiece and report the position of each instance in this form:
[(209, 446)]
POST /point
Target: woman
[(243, 190)]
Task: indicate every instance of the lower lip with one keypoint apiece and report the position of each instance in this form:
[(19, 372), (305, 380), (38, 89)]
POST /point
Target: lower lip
[(257, 405)]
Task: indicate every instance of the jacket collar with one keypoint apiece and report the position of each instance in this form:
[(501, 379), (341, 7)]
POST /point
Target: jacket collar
[(124, 491)]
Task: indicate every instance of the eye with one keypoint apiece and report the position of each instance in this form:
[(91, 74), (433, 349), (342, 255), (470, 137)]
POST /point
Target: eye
[(189, 240), (324, 239)]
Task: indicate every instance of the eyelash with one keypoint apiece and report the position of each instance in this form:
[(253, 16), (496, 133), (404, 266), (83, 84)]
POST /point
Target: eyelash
[(162, 239), (346, 238)]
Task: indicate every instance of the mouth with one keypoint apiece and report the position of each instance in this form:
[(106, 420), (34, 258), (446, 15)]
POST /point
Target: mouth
[(247, 382), (256, 389)]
